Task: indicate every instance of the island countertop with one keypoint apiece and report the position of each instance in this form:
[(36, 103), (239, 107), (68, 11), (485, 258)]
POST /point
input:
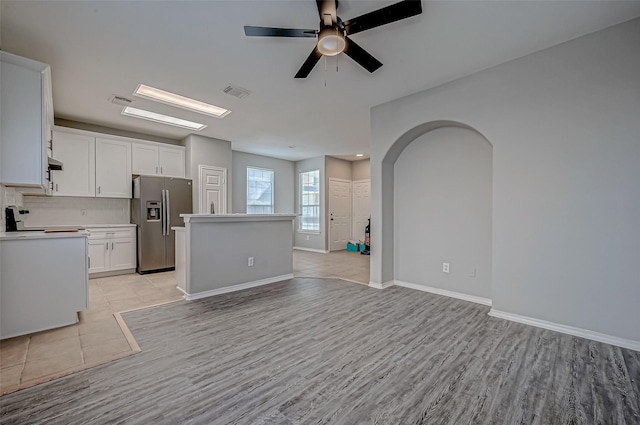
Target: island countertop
[(221, 218)]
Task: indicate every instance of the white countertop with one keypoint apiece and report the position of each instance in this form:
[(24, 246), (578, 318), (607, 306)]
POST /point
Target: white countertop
[(79, 226), (178, 229), (225, 218), (42, 235)]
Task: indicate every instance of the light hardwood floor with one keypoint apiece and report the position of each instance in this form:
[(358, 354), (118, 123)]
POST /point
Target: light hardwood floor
[(311, 351)]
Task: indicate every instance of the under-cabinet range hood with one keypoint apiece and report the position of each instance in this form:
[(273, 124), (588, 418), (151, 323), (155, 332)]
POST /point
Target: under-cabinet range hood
[(54, 164)]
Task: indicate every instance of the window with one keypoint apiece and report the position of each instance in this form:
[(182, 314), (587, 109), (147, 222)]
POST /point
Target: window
[(259, 191), (310, 201)]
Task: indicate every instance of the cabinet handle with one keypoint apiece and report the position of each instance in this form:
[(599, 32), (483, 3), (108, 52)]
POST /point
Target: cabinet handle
[(98, 189), (89, 262), (112, 244), (56, 187), (160, 170)]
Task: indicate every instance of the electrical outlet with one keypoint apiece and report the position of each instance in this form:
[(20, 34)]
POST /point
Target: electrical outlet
[(445, 267), (473, 273), (250, 262), (307, 237), (83, 212)]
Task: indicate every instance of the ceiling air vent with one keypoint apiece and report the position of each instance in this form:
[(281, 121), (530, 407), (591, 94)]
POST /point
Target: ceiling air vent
[(236, 91), (120, 100)]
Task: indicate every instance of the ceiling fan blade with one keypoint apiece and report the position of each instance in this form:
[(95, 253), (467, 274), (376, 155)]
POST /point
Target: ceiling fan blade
[(308, 65), (328, 7), (278, 32), (386, 15), (361, 56)]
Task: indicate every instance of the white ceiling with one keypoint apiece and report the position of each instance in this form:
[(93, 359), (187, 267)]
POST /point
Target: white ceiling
[(97, 49)]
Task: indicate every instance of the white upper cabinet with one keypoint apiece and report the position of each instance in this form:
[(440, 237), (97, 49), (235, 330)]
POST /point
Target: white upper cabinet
[(77, 153), (26, 110), (145, 159), (99, 165), (113, 168), (171, 162), (155, 160)]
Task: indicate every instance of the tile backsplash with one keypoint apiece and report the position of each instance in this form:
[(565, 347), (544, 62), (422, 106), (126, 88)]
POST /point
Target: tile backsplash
[(72, 211)]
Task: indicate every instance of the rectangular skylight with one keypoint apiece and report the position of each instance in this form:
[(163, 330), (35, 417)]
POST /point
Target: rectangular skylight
[(164, 119), (183, 102)]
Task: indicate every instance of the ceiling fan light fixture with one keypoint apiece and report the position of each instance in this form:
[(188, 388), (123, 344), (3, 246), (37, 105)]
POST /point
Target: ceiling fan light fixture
[(331, 42)]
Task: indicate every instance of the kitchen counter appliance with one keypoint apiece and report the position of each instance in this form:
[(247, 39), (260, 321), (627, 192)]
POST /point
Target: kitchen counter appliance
[(156, 205), (13, 222)]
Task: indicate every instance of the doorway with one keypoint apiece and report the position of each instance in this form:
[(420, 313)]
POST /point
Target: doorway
[(213, 189), (339, 213), (361, 207)]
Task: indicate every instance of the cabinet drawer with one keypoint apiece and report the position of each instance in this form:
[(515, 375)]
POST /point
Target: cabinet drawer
[(111, 232)]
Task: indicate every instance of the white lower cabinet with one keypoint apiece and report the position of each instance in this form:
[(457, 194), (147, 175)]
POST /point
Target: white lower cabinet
[(112, 249), (44, 282)]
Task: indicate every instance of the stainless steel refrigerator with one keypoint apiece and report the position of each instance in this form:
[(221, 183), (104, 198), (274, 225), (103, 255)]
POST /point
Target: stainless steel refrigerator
[(156, 206)]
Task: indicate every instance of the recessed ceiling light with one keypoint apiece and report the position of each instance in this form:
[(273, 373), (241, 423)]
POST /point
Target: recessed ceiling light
[(359, 154), (180, 101), (164, 119)]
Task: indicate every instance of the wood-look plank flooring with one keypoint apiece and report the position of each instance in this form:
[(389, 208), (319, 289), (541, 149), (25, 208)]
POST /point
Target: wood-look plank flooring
[(319, 351)]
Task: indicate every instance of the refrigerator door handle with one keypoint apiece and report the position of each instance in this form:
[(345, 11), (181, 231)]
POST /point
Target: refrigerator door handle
[(168, 210), (163, 212)]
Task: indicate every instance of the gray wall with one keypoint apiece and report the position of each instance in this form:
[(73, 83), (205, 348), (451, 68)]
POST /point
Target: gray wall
[(564, 127), (283, 176), (443, 211), (316, 241), (361, 170), (207, 151), (268, 242)]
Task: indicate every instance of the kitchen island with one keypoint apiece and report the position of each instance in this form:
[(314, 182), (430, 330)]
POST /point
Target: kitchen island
[(229, 252)]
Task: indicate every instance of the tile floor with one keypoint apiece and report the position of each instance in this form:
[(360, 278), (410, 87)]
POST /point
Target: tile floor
[(342, 264), (98, 338)]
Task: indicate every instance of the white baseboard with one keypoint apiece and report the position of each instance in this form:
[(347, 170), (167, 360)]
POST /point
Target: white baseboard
[(382, 285), (446, 293), (235, 288), (300, 248), (569, 330)]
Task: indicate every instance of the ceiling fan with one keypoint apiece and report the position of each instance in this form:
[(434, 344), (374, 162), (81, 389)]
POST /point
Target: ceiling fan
[(333, 35)]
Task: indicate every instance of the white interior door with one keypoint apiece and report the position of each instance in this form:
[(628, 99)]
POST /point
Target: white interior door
[(339, 213), (213, 190), (361, 207)]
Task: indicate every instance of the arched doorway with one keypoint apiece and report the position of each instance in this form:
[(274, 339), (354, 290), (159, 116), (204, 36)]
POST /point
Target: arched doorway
[(437, 208)]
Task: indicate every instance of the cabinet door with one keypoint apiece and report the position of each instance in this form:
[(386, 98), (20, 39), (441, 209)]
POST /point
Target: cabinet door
[(144, 159), (98, 255), (122, 253), (172, 162), (77, 154), (23, 159), (113, 168)]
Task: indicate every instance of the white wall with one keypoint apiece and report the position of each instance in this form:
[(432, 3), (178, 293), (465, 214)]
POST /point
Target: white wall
[(564, 125), (284, 176), (316, 240), (443, 212), (207, 151)]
